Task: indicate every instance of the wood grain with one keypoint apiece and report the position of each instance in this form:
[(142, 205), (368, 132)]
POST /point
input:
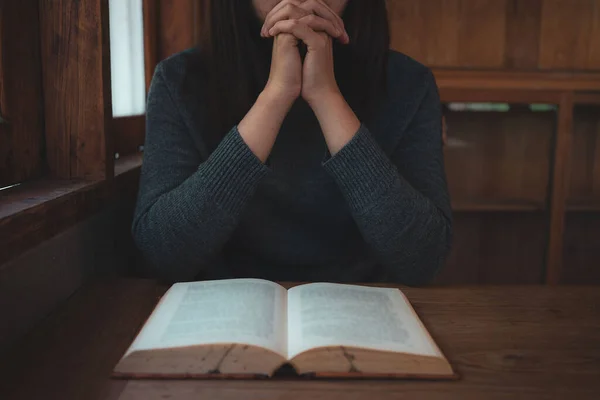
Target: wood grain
[(523, 20), (176, 26), (482, 33), (450, 33), (570, 35), (496, 34), (425, 30), (560, 188), (506, 342), (21, 139), (34, 212), (77, 94), (129, 134), (496, 248), (128, 163)]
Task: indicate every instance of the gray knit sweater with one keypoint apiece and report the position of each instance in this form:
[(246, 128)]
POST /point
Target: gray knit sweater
[(377, 211)]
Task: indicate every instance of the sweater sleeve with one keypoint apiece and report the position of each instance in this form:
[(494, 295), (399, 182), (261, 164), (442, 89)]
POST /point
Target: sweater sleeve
[(188, 207), (401, 203)]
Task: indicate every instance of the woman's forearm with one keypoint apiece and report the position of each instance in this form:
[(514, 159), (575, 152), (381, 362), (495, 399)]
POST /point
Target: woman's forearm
[(262, 123), (338, 122)]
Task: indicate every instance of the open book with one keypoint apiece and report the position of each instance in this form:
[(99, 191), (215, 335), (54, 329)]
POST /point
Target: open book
[(248, 327)]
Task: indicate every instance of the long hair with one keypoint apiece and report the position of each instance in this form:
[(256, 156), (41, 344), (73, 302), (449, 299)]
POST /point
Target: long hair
[(234, 61)]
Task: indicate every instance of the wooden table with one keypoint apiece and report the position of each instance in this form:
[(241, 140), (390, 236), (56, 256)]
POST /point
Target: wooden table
[(506, 342)]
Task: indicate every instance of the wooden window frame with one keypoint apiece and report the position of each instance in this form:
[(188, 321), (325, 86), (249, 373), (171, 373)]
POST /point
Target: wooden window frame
[(78, 176), (22, 126)]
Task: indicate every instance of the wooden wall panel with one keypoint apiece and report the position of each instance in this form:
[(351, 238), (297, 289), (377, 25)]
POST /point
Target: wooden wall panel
[(594, 49), (76, 81), (498, 34), (523, 19), (21, 137), (496, 248), (176, 26), (585, 161), (425, 30), (482, 33), (570, 34), (450, 32), (499, 158)]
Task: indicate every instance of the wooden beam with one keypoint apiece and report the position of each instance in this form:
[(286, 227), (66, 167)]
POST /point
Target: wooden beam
[(76, 80), (560, 186), (587, 98), (448, 94), (21, 131), (506, 80)]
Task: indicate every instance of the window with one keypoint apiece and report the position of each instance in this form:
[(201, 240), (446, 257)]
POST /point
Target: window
[(127, 57)]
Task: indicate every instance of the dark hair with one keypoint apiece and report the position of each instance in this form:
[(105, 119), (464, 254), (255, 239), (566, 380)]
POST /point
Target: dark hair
[(234, 60)]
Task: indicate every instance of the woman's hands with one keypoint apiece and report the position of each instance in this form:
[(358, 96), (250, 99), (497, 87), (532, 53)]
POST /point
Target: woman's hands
[(315, 24), (260, 126), (314, 13), (285, 78), (318, 76), (289, 22)]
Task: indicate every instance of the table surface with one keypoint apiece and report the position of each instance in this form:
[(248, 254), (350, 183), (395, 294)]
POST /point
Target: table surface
[(530, 342)]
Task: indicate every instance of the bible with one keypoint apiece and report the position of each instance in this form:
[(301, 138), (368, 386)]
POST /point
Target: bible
[(245, 328)]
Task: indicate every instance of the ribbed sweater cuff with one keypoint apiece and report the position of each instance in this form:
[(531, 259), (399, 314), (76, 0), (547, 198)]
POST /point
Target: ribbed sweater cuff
[(234, 172), (362, 170)]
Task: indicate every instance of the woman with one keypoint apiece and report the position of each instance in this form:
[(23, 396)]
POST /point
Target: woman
[(265, 158)]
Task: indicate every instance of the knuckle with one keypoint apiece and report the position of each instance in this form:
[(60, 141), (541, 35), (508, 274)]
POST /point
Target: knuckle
[(308, 5)]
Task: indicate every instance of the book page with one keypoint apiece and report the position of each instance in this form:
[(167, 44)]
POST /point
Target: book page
[(326, 314), (242, 311)]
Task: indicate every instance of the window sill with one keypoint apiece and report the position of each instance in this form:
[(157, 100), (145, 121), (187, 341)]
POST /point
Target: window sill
[(36, 211)]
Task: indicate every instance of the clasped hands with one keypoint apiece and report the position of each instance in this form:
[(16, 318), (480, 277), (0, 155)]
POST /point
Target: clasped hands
[(316, 25)]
